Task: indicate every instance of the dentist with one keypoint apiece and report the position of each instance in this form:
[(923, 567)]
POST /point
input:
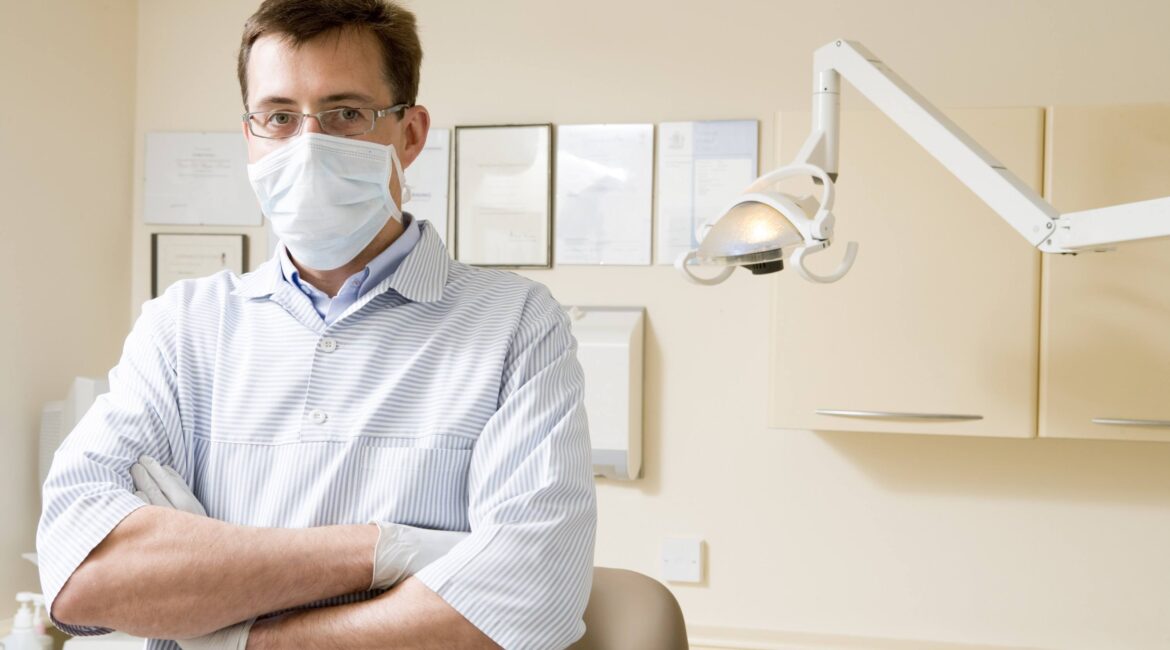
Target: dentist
[(360, 444)]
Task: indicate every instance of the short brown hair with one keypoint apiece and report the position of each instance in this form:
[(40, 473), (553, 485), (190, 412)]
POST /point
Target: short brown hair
[(299, 21)]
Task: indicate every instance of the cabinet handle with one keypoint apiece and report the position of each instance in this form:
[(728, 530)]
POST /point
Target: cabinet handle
[(1124, 422), (890, 415)]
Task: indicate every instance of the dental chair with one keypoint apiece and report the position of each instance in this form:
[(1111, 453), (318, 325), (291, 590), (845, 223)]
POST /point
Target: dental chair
[(630, 611)]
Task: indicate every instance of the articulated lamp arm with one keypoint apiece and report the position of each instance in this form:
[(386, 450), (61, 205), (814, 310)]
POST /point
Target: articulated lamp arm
[(764, 227), (1025, 210)]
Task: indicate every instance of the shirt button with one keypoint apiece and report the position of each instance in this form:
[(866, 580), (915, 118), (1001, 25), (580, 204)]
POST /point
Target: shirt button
[(317, 416), (327, 344)]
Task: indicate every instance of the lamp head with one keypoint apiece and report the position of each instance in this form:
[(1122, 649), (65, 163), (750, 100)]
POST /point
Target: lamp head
[(755, 233), (763, 227)]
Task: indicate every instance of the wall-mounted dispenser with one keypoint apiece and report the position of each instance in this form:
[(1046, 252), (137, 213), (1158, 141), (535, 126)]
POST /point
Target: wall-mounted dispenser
[(609, 347)]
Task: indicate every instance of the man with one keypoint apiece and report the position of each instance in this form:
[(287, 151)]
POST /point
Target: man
[(360, 376)]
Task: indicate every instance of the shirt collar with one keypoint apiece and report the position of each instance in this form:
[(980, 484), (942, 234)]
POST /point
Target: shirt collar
[(423, 274), (379, 268), (420, 277), (388, 261), (261, 282)]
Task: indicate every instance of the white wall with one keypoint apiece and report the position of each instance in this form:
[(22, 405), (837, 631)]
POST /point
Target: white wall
[(1047, 544), (67, 84)]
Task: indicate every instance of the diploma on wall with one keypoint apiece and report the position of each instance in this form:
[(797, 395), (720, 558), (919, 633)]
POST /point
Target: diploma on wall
[(605, 193), (182, 256), (702, 166), (503, 195), (197, 179)]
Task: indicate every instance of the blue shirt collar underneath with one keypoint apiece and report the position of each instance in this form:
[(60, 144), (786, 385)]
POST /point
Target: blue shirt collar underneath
[(380, 268)]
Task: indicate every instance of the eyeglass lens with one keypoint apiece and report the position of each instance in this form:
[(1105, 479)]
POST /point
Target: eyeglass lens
[(286, 124)]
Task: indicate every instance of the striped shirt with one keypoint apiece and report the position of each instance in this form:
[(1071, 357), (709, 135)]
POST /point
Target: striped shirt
[(447, 397)]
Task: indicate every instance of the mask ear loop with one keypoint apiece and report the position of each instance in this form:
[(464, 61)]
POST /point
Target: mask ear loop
[(406, 193)]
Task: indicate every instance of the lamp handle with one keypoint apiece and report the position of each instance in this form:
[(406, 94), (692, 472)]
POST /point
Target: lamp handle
[(796, 169), (820, 224), (683, 265), (842, 269)]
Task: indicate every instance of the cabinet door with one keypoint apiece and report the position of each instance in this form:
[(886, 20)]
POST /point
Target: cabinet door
[(939, 315), (1106, 316)]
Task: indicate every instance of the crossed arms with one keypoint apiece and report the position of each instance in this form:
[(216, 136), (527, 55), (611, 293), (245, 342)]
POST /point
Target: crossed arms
[(170, 574)]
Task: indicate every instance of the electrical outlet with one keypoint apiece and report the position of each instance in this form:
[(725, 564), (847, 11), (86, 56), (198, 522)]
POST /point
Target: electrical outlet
[(682, 559)]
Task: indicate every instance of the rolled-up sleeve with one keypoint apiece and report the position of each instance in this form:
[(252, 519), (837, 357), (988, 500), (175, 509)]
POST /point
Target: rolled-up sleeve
[(524, 573), (89, 489)]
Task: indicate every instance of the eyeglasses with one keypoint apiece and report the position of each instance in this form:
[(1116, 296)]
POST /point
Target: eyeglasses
[(337, 121)]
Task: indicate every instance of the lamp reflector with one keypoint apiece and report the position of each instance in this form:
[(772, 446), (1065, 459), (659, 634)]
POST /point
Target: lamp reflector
[(749, 233)]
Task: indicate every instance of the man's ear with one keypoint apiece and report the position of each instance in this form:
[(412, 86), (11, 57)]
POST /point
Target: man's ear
[(416, 126)]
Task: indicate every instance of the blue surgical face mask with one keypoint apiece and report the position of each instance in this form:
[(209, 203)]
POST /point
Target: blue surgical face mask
[(327, 196)]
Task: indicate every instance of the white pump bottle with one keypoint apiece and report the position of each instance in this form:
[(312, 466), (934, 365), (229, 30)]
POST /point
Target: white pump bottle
[(24, 634)]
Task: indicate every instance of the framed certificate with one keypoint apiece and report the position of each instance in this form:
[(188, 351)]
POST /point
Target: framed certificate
[(182, 256), (604, 194), (503, 195), (198, 179)]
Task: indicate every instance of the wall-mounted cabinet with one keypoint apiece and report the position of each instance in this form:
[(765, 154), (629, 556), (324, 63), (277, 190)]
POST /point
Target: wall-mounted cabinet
[(1105, 363), (942, 327), (935, 330)]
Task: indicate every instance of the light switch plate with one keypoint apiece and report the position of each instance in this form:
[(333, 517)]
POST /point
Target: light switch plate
[(682, 559)]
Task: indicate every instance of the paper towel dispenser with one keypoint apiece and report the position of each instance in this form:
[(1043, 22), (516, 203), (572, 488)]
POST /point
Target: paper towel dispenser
[(609, 347)]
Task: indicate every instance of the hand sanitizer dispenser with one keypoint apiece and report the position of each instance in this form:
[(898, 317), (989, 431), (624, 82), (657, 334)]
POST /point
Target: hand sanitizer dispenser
[(609, 347), (24, 635)]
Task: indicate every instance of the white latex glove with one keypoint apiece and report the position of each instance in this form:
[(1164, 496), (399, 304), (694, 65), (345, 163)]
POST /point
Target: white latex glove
[(403, 551), (161, 485), (229, 638)]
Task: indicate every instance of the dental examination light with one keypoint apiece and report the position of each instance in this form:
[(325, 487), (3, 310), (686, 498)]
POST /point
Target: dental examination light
[(763, 227)]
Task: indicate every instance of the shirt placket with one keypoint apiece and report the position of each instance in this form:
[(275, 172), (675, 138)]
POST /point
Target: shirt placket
[(322, 415), (319, 418)]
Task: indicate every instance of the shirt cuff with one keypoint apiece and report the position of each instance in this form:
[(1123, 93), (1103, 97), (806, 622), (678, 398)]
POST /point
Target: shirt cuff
[(515, 607), (438, 574), (71, 538)]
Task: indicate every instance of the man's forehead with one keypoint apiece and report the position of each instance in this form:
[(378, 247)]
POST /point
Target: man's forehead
[(335, 66)]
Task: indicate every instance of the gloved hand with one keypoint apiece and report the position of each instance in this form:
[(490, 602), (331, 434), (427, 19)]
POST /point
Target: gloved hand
[(403, 551), (161, 485)]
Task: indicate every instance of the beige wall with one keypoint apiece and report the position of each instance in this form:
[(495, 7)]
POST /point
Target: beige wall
[(1047, 544), (67, 84), (1042, 544)]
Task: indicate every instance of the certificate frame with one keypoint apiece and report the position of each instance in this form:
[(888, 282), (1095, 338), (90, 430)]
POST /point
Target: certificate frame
[(197, 178), (178, 256), (530, 229), (603, 206)]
